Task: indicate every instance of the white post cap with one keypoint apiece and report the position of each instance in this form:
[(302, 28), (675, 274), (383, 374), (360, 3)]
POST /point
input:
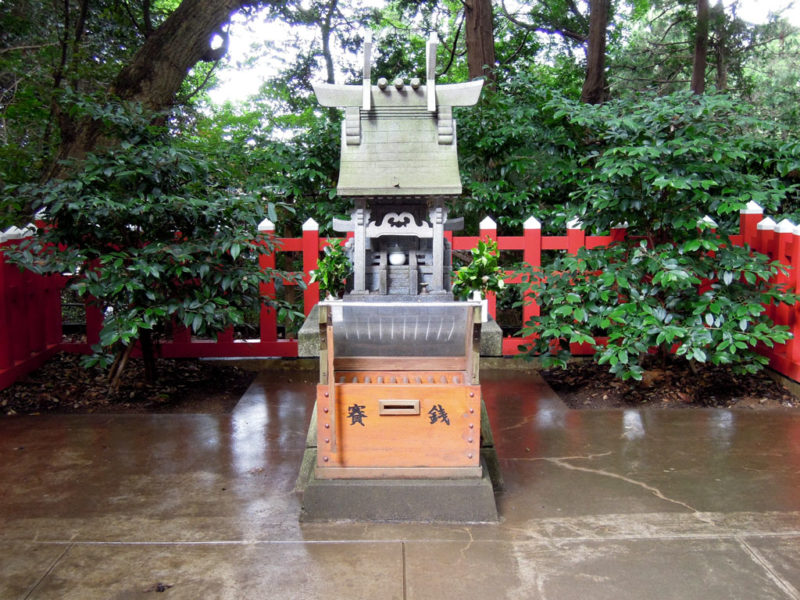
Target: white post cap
[(15, 233), (785, 226), (766, 225), (532, 223), (708, 221), (575, 223), (752, 208), (310, 225), (266, 225), (488, 223)]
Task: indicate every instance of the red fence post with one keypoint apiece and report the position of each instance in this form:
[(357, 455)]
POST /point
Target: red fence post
[(17, 326), (310, 258), (5, 314), (94, 321), (576, 236), (765, 243), (784, 234), (618, 232), (531, 255), (53, 332), (749, 218), (793, 345), (268, 321), (488, 229)]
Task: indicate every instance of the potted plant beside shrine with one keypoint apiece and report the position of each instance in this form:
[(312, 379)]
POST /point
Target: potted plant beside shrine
[(332, 271), (483, 274)]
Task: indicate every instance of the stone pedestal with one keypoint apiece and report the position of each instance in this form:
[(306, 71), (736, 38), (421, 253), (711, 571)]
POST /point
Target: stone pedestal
[(393, 500)]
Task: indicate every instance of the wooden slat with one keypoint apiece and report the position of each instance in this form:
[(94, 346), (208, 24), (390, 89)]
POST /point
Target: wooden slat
[(398, 472), (331, 378), (400, 363), (403, 377)]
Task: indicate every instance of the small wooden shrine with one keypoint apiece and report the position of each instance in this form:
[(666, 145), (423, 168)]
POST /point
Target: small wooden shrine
[(399, 393)]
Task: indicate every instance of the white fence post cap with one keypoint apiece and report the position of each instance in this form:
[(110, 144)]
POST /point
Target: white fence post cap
[(532, 223), (266, 225), (15, 233), (766, 225), (785, 226), (310, 225), (575, 223), (488, 223), (752, 208), (708, 221), (623, 225)]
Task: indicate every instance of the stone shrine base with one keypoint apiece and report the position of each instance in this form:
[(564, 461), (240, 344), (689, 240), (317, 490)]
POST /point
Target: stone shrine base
[(392, 500)]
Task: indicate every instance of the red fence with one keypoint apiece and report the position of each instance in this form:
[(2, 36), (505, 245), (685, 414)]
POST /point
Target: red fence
[(30, 315)]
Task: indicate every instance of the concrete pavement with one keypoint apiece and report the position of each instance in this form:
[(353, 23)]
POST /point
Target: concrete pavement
[(597, 504)]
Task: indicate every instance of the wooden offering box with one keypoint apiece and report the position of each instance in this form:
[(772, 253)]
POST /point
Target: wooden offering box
[(399, 395)]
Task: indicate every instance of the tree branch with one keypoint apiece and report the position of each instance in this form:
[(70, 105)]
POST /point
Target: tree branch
[(202, 84), (455, 45), (147, 18), (573, 8), (132, 17), (575, 36), (29, 47), (517, 51)]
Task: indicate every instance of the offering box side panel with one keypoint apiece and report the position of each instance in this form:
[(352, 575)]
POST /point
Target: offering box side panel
[(441, 437)]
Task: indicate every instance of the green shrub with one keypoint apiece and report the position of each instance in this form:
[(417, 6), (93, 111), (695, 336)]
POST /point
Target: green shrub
[(676, 283), (154, 233)]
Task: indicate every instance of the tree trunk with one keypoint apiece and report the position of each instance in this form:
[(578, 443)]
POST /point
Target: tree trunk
[(594, 86), (721, 47), (700, 48), (157, 70), (326, 28), (148, 356), (480, 39)]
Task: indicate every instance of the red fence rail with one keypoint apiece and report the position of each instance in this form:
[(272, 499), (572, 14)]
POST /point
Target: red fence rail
[(30, 311)]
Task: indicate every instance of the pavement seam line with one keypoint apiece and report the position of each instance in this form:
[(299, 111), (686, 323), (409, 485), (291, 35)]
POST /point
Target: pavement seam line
[(653, 490), (403, 550), (50, 569), (772, 574)]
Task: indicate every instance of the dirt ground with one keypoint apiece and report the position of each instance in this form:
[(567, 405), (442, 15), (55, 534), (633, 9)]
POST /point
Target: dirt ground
[(63, 386), (586, 385)]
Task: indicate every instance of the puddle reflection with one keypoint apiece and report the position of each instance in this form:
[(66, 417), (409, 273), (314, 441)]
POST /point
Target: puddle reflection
[(723, 427), (249, 439), (632, 424)]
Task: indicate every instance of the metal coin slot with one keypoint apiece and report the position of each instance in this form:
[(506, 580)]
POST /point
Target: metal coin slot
[(398, 407)]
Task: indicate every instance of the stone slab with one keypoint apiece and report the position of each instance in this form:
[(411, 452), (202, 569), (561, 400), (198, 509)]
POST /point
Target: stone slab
[(656, 569), (781, 557), (286, 570), (23, 565), (406, 500)]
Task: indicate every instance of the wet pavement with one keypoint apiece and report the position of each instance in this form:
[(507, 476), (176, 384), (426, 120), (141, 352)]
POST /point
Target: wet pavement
[(597, 504)]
